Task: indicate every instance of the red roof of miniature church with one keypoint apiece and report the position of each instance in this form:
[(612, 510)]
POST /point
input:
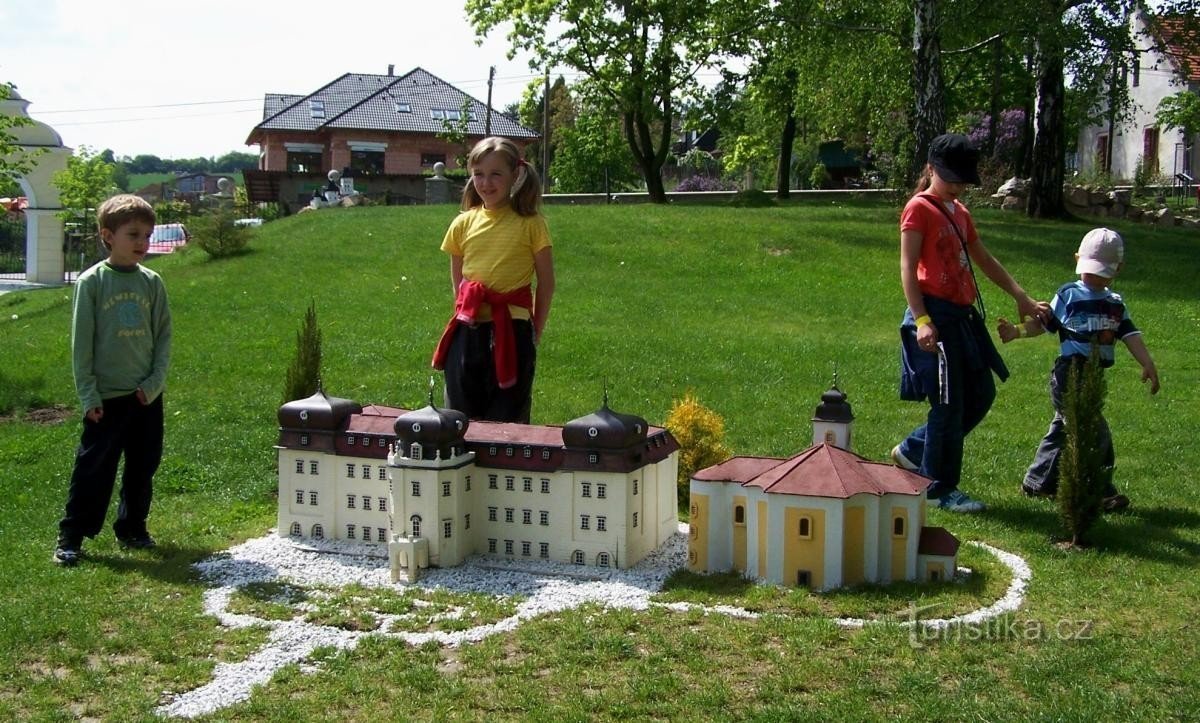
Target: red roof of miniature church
[(937, 541), (819, 471)]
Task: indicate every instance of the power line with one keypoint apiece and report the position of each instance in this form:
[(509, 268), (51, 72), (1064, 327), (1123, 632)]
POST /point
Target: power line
[(152, 118), (141, 107)]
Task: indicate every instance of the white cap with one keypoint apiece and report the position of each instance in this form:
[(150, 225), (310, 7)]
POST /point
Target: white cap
[(1100, 252)]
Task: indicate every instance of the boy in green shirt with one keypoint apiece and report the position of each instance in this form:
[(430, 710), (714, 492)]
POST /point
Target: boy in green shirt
[(121, 346)]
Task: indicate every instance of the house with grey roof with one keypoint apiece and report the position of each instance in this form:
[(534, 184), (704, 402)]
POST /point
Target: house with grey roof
[(385, 131)]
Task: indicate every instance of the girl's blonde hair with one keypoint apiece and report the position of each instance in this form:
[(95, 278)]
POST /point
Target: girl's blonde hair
[(526, 193), (925, 179)]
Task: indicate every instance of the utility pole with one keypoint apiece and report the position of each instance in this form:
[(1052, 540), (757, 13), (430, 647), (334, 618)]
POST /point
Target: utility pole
[(487, 124), (546, 133)]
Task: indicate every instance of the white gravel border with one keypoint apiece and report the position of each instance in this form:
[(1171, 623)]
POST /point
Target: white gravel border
[(546, 586)]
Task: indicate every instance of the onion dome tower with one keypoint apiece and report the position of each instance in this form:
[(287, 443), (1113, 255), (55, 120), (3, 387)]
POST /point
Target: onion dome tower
[(431, 433), (833, 420), (312, 422), (605, 440)]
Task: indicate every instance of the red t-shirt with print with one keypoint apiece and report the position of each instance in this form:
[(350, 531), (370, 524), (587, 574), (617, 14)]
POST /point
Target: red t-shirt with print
[(942, 270)]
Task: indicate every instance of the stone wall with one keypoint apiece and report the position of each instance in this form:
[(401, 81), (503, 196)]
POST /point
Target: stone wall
[(1093, 202)]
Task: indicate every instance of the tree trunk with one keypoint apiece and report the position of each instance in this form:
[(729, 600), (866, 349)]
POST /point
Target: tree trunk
[(637, 133), (786, 141), (929, 116), (1049, 142)]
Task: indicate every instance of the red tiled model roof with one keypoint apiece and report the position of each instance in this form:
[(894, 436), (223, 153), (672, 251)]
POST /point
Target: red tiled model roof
[(819, 471), (937, 541)]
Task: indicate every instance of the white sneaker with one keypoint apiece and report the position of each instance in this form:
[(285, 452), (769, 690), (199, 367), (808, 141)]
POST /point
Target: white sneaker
[(958, 501), (903, 462)]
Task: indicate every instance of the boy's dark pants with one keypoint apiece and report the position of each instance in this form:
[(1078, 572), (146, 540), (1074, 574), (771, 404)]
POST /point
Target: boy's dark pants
[(471, 386), (1042, 477), (126, 428)]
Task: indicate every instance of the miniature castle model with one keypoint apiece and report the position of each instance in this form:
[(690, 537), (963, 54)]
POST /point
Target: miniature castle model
[(821, 519), (437, 488)]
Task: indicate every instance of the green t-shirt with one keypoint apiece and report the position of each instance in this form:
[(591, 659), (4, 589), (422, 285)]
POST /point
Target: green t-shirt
[(120, 334)]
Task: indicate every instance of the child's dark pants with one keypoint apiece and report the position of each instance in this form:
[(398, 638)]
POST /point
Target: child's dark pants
[(471, 386)]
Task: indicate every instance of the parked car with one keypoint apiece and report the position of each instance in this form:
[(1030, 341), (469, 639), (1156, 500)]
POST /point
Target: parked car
[(167, 236)]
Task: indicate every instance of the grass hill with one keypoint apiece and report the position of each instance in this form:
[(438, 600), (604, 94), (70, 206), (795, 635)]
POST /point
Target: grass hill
[(753, 309)]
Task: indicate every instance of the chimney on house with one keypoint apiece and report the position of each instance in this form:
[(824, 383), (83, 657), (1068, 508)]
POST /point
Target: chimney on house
[(391, 68)]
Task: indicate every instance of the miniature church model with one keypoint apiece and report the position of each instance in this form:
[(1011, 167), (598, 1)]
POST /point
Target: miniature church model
[(435, 487), (822, 519)]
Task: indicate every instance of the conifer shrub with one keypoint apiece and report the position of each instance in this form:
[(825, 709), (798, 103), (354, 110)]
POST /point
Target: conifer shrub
[(1083, 475), (304, 374), (701, 435), (218, 235)]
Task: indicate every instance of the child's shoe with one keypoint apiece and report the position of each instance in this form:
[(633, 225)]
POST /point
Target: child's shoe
[(1114, 503), (958, 501), (903, 462), (137, 542), (1035, 492), (68, 551)]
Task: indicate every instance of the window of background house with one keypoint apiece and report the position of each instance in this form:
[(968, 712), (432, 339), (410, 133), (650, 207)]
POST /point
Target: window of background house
[(303, 162), (367, 163)]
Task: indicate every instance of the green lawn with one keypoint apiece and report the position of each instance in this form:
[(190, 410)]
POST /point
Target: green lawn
[(751, 308)]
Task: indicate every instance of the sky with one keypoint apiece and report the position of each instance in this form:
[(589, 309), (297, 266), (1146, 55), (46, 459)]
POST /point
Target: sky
[(182, 79)]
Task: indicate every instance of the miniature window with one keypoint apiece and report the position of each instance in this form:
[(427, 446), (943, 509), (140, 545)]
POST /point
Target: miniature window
[(527, 484), (508, 547), (635, 486), (295, 529), (527, 452), (366, 503), (508, 514), (349, 532), (635, 515), (382, 443), (545, 454), (299, 466), (349, 502), (525, 548), (414, 524), (543, 550), (350, 470), (577, 557), (467, 521), (602, 559), (527, 517), (492, 514), (601, 491), (545, 486), (492, 450), (585, 522), (592, 458), (803, 578), (414, 451), (299, 497), (491, 481), (508, 484), (366, 471), (312, 497), (382, 474), (492, 545), (382, 534), (416, 488), (508, 451), (830, 437), (739, 515), (445, 489), (805, 528), (544, 517), (318, 532), (585, 489), (350, 440), (446, 528), (467, 483), (382, 504), (898, 527), (304, 440), (312, 467), (601, 523)]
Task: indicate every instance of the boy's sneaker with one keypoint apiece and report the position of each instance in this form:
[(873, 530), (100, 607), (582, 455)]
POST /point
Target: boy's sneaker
[(137, 542), (1034, 492), (68, 551), (1114, 503), (903, 462), (958, 501)]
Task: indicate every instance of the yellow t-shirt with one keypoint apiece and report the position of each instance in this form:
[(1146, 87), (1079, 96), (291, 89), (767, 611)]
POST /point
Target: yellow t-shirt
[(497, 249)]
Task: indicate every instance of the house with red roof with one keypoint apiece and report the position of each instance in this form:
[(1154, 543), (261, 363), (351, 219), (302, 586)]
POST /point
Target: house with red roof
[(1167, 61), (821, 519), (384, 131)]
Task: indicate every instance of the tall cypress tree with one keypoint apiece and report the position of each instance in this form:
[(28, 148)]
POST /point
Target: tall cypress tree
[(304, 374), (1083, 475)]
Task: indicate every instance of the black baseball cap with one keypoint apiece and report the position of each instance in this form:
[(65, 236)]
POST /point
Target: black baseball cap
[(954, 158)]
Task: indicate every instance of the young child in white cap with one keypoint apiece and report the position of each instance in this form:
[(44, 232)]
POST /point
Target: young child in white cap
[(1083, 312)]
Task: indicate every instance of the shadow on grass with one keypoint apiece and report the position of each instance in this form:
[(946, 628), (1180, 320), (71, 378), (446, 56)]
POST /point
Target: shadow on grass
[(166, 563), (1151, 533)]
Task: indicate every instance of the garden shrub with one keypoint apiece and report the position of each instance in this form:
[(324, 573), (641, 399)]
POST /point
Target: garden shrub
[(304, 374), (701, 435), (705, 183), (217, 234)]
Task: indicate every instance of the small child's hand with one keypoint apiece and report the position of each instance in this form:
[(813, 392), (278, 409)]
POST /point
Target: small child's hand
[(94, 414), (1150, 374), (1006, 329), (141, 397)]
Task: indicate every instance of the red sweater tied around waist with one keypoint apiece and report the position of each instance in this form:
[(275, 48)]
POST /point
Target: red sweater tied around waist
[(471, 296)]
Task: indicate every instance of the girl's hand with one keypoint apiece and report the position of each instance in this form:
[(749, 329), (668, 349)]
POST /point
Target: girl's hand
[(1028, 308), (927, 337)]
